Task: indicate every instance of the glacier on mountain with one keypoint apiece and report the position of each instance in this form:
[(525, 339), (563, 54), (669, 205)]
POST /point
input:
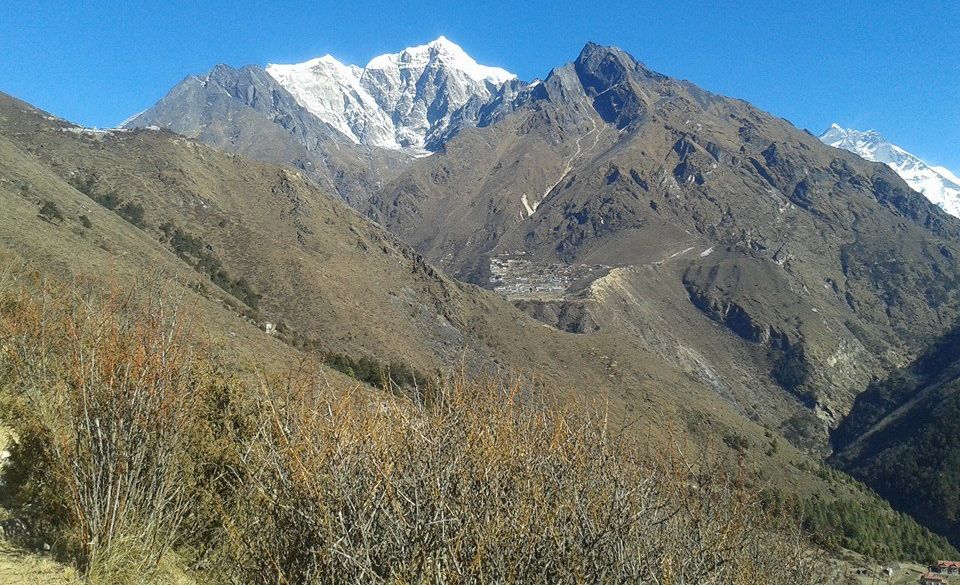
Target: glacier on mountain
[(937, 184), (399, 100)]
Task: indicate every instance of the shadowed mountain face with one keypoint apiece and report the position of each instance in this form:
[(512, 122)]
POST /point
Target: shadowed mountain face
[(246, 111), (902, 438), (611, 197)]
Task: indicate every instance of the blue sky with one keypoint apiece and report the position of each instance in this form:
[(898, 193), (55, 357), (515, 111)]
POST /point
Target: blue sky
[(889, 65)]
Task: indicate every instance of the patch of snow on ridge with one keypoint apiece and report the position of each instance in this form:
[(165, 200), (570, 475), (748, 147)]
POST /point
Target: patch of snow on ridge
[(449, 53)]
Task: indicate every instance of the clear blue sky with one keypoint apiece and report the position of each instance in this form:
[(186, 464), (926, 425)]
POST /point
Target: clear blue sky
[(889, 65)]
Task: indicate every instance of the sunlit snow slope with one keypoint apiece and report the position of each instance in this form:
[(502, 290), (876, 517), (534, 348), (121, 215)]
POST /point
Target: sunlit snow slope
[(398, 100), (938, 184)]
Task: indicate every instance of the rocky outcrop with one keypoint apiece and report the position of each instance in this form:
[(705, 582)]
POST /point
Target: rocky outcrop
[(246, 111)]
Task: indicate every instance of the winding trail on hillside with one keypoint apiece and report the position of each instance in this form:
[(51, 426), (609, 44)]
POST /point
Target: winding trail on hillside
[(568, 166)]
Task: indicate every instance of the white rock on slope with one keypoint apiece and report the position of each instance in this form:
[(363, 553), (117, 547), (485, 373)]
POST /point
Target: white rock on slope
[(937, 184), (398, 100)]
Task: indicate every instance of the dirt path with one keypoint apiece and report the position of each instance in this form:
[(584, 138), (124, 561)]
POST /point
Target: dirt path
[(596, 130)]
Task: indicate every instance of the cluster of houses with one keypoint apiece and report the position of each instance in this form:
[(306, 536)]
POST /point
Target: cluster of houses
[(516, 275), (940, 573)]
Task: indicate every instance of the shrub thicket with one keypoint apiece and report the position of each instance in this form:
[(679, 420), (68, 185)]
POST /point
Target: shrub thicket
[(131, 212), (101, 393), (50, 212), (129, 448), (197, 253), (480, 485)]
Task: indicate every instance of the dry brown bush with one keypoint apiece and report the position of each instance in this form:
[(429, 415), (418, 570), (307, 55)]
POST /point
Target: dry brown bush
[(100, 391), (483, 486)]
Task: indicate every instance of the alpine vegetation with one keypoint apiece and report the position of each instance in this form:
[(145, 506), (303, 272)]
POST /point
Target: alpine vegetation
[(142, 460)]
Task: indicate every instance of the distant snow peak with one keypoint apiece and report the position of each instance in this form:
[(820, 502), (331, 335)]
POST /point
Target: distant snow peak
[(937, 184), (399, 100), (448, 53)]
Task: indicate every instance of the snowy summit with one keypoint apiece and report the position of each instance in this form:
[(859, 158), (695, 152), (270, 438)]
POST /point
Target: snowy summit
[(399, 100), (937, 184)]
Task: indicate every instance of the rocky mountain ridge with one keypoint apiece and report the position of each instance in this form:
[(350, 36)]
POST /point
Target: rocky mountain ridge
[(611, 196), (247, 112), (349, 129)]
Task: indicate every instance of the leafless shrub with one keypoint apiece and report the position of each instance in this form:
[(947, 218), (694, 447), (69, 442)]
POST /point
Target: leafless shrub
[(100, 392), (480, 486), (128, 446)]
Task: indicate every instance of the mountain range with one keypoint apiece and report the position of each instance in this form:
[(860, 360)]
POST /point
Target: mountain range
[(778, 273), (938, 184), (607, 230)]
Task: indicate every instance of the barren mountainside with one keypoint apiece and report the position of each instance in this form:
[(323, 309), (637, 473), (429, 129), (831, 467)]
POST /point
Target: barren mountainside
[(615, 193)]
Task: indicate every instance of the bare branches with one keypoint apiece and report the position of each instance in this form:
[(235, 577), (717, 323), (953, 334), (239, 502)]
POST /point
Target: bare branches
[(134, 448), (481, 487), (104, 387)]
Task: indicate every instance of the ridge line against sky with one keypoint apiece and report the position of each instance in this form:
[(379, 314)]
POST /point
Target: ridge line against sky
[(877, 64)]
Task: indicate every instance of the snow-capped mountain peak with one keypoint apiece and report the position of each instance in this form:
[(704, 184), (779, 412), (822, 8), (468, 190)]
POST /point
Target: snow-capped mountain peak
[(399, 100), (332, 91), (444, 51), (938, 184)]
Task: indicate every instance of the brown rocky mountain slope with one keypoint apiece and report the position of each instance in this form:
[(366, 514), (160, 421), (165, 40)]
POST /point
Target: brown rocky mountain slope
[(613, 198)]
